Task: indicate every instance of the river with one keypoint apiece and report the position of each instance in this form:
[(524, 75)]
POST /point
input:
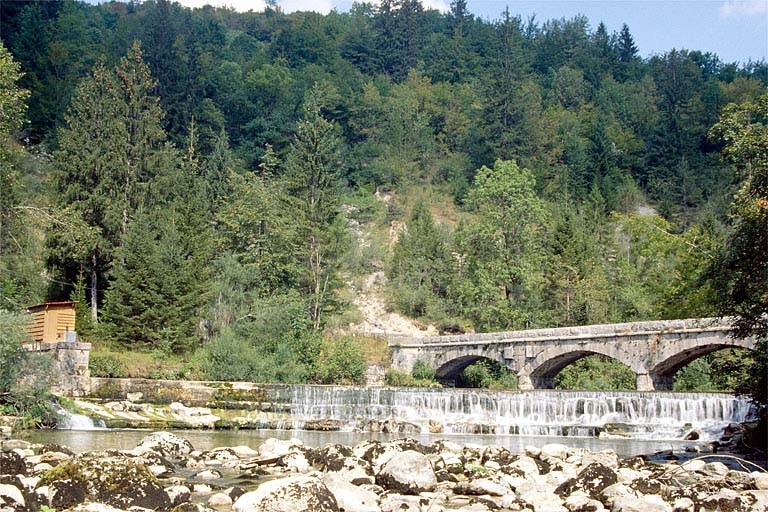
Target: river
[(630, 423)]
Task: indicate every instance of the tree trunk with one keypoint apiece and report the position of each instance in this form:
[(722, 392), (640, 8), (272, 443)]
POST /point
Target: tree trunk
[(94, 288)]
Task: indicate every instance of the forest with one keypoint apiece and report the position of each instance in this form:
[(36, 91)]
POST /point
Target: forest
[(210, 186)]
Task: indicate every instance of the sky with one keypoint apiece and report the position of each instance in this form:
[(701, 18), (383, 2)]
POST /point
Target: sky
[(734, 30)]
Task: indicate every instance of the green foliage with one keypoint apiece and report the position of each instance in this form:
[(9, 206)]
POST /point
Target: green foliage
[(487, 374), (502, 251), (422, 371), (340, 361), (232, 358), (739, 274), (696, 376), (596, 373), (105, 365), (240, 216), (12, 335), (25, 378), (420, 268), (407, 380)]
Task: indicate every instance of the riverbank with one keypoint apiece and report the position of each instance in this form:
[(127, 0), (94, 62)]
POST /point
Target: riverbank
[(166, 472)]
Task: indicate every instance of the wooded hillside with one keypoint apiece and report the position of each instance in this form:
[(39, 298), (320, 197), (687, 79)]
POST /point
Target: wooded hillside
[(208, 178)]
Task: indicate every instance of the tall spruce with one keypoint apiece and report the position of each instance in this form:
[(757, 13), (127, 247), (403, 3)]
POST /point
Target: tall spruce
[(108, 153), (313, 181)]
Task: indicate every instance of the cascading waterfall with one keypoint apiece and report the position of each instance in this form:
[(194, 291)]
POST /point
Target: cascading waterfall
[(74, 421), (657, 415)]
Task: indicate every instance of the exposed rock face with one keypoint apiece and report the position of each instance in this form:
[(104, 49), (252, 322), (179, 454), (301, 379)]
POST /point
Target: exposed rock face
[(164, 473)]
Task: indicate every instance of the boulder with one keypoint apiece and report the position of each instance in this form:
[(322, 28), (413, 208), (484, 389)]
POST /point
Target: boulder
[(759, 480), (220, 500), (683, 505), (94, 507), (554, 451), (650, 503), (292, 494), (351, 498), (116, 481), (524, 466), (407, 472), (580, 502), (483, 486), (178, 494), (330, 457), (542, 500), (725, 500), (167, 444), (278, 447), (403, 503), (592, 480)]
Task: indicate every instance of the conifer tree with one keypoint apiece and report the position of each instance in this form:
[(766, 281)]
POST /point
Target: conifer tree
[(313, 181), (108, 153)]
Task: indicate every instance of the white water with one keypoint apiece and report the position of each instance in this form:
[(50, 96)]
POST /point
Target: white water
[(73, 421), (654, 415)]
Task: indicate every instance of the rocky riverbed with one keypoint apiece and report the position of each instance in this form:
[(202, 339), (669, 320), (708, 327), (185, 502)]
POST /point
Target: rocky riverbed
[(165, 472)]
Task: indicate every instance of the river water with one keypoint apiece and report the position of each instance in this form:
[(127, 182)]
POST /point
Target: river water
[(630, 423)]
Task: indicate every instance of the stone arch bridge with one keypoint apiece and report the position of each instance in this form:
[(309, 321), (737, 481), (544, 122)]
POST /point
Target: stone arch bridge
[(653, 350)]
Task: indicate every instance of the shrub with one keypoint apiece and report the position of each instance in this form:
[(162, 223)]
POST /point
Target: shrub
[(488, 374), (25, 378), (106, 365), (422, 371), (402, 379), (340, 362)]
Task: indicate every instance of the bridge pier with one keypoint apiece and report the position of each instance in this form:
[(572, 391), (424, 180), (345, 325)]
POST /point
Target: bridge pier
[(643, 382)]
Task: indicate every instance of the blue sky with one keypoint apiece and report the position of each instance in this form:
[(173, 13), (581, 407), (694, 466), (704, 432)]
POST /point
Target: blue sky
[(735, 30)]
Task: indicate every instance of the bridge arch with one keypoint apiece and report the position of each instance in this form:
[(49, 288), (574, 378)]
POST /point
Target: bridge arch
[(540, 373), (450, 371), (663, 371)]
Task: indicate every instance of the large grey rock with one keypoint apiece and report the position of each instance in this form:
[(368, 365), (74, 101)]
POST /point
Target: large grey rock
[(117, 481), (300, 493), (407, 472), (759, 480), (725, 500), (554, 451), (94, 507), (650, 503), (480, 486), (580, 502), (178, 494), (403, 503), (523, 465), (278, 447), (542, 500), (592, 480), (166, 443), (351, 498)]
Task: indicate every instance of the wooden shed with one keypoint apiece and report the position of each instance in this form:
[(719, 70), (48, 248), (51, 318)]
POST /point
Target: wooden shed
[(52, 322)]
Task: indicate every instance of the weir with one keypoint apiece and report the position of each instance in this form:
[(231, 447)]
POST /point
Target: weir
[(637, 415)]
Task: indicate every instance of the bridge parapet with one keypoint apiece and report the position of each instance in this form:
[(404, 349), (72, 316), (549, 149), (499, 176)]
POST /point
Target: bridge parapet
[(576, 332)]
